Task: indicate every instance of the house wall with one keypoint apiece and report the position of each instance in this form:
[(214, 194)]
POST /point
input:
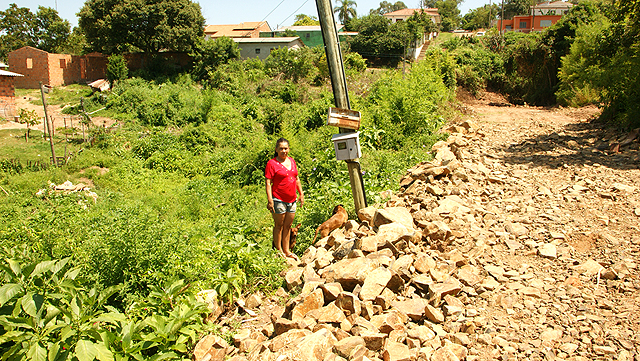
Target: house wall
[(63, 69), (37, 72), (528, 19), (248, 50), (59, 66), (7, 96)]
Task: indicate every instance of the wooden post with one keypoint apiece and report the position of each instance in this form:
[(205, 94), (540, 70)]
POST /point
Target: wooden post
[(340, 93), (46, 117)]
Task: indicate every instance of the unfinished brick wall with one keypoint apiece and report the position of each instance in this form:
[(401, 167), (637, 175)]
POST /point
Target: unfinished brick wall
[(7, 96), (33, 64), (59, 65)]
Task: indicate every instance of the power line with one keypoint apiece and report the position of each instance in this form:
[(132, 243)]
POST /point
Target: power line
[(274, 9), (295, 11)]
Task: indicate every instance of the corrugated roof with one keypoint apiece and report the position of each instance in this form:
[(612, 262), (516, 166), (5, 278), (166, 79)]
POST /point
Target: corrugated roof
[(8, 73)]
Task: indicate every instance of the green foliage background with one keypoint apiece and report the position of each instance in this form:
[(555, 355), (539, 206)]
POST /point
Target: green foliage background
[(180, 193)]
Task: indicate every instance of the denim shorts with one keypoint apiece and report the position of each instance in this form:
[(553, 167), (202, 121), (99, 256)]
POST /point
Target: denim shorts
[(280, 207)]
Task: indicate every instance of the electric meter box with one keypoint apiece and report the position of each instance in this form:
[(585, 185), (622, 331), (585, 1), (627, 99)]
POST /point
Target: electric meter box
[(347, 145)]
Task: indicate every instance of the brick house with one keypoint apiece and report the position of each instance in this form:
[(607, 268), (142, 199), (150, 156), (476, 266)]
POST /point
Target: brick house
[(541, 16), (63, 69), (7, 91)]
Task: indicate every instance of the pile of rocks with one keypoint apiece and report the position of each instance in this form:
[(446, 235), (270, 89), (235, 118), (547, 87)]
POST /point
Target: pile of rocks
[(461, 264)]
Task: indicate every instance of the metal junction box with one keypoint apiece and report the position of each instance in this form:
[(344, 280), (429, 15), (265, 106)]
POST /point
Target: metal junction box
[(347, 145)]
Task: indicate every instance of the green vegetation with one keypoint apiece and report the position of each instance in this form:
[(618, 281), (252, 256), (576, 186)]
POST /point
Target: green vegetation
[(179, 198), (20, 27), (587, 57)]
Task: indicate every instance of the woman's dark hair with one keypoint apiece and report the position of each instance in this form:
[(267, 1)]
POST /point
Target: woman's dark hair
[(278, 142)]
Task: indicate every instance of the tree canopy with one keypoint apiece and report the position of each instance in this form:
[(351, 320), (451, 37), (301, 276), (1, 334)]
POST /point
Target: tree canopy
[(305, 20), (113, 26), (387, 7), (449, 12), (20, 27), (379, 38), (346, 10), (516, 7), (480, 18)]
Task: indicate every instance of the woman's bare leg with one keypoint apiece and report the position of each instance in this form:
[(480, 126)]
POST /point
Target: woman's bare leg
[(286, 232), (278, 220)]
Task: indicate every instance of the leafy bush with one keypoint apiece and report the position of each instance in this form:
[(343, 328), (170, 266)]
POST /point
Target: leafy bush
[(46, 313), (116, 69), (291, 64), (211, 54)]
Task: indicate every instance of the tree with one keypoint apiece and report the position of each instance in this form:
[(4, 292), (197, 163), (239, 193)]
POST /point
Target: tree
[(211, 54), (480, 18), (346, 11), (116, 26), (387, 7), (448, 10), (20, 27), (516, 7), (116, 69), (305, 20)]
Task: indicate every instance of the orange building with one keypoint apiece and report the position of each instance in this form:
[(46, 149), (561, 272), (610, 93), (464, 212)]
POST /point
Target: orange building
[(540, 17)]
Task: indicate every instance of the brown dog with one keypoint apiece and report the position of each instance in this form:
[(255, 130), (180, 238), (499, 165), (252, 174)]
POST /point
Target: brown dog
[(292, 236), (338, 219)]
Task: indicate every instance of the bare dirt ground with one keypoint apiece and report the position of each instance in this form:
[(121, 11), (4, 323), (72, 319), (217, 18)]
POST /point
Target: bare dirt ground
[(54, 113)]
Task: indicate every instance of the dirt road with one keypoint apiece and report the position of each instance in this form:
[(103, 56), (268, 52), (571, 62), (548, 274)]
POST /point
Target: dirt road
[(519, 241)]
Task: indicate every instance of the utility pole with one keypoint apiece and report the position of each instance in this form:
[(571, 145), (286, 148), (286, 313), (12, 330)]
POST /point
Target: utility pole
[(502, 17), (340, 93), (46, 119)]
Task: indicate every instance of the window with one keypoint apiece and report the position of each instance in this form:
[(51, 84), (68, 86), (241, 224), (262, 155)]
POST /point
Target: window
[(523, 25), (507, 27), (307, 35), (29, 63), (545, 23), (257, 50), (63, 63)]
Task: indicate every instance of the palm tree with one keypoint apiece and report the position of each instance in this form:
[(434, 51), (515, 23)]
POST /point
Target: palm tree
[(346, 11)]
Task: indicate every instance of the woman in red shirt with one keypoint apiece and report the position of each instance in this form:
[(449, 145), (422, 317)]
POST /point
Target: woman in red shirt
[(282, 184)]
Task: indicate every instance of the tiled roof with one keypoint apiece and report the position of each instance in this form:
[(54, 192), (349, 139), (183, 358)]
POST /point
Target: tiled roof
[(555, 4), (234, 30), (409, 12)]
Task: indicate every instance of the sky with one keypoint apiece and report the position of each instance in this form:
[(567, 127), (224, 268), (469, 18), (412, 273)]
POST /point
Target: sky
[(276, 12)]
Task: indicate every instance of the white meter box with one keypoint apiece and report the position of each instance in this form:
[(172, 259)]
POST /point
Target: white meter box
[(347, 145)]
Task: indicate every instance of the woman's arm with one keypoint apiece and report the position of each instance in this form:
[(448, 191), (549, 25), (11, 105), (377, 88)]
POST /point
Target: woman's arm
[(299, 189), (269, 195)]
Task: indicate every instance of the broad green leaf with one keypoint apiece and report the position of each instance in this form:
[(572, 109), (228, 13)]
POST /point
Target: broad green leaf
[(41, 268), (85, 350), (11, 336), (8, 291), (164, 356), (180, 347), (15, 267), (17, 322), (103, 353), (76, 306), (223, 289), (60, 264), (37, 352), (66, 333), (31, 303), (54, 350), (72, 273)]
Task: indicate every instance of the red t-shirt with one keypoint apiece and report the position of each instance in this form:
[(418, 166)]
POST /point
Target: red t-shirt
[(283, 180)]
